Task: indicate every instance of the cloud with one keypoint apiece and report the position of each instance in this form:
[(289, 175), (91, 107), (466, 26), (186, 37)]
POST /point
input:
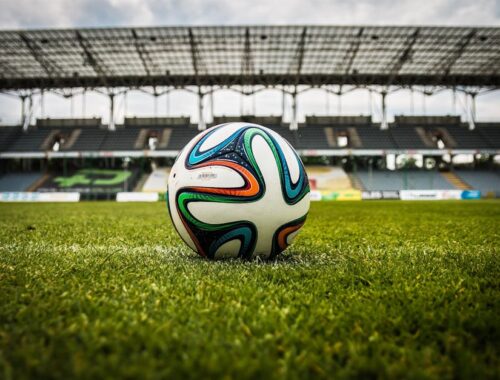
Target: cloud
[(101, 13), (98, 13)]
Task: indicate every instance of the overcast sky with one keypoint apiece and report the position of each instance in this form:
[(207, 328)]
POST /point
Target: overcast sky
[(17, 14)]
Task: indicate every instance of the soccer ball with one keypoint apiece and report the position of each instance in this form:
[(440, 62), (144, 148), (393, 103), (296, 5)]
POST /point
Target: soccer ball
[(238, 190)]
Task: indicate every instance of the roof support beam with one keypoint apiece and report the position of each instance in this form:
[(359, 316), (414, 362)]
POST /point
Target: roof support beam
[(247, 67), (194, 55), (233, 80), (447, 63), (352, 52), (51, 68), (350, 46), (143, 53), (48, 59), (91, 59), (405, 56), (300, 55), (195, 62), (300, 58)]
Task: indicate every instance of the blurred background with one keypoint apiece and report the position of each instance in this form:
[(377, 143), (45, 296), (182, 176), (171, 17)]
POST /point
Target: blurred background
[(381, 100)]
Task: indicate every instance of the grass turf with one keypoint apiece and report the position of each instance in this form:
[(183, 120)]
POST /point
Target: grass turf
[(387, 289)]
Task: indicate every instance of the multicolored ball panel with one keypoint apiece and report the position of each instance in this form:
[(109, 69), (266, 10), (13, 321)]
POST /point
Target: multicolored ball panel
[(236, 152)]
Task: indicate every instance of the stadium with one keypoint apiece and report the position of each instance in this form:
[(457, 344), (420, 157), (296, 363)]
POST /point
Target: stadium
[(42, 155), (399, 281)]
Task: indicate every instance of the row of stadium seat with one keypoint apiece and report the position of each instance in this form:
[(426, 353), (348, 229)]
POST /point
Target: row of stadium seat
[(485, 181), (18, 181), (328, 177), (403, 180), (13, 139), (380, 180)]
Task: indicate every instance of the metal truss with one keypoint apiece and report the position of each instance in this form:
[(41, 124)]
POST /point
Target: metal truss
[(270, 56)]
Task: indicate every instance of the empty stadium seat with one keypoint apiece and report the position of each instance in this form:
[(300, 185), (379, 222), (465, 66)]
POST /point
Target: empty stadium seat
[(467, 139), (180, 136), (90, 139), (120, 139), (312, 137), (319, 133), (484, 180), (18, 181), (8, 135), (406, 137), (403, 180), (374, 138), (490, 133), (29, 141)]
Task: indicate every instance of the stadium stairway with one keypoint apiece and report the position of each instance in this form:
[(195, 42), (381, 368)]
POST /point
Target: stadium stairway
[(140, 141), (157, 180), (486, 181), (330, 138), (328, 178), (35, 185), (448, 139), (354, 138), (165, 138), (424, 137), (456, 181), (49, 139), (140, 183), (356, 183), (18, 181), (68, 144)]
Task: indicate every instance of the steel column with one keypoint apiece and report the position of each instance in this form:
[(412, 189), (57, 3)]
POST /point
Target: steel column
[(201, 121), (384, 124), (294, 124), (111, 125)]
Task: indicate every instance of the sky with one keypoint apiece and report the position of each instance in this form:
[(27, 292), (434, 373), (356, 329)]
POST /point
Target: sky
[(23, 14)]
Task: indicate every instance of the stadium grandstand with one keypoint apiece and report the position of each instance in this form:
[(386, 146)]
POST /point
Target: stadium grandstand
[(342, 152)]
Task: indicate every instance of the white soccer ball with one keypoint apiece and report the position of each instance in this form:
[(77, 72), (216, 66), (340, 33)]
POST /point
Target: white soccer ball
[(238, 190)]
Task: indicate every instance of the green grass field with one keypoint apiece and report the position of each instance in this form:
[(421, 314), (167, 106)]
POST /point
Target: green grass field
[(369, 289)]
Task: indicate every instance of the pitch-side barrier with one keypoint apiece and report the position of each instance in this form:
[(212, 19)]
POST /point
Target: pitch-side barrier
[(405, 195), (341, 195)]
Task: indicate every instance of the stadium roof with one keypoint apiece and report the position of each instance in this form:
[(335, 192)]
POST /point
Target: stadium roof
[(250, 55)]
